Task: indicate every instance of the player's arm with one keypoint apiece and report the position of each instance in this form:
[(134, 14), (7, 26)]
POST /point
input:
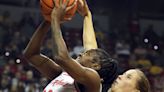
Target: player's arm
[(89, 38), (82, 75), (32, 53)]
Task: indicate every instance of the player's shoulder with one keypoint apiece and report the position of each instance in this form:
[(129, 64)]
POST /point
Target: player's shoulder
[(94, 81)]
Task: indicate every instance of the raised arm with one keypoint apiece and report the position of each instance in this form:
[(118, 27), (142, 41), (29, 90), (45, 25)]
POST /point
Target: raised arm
[(83, 75), (89, 38), (32, 53)]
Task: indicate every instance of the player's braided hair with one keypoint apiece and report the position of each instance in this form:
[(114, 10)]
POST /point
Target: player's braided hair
[(108, 71)]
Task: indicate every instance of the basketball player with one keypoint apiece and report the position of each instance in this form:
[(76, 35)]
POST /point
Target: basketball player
[(87, 73), (132, 80)]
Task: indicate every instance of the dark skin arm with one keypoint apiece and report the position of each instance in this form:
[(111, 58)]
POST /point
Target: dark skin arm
[(41, 62), (86, 76)]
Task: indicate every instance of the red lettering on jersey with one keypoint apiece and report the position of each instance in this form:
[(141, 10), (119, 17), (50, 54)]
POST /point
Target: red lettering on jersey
[(58, 82), (66, 74), (50, 91)]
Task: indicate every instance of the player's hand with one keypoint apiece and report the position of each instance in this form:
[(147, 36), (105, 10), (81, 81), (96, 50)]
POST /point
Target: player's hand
[(59, 11), (82, 7)]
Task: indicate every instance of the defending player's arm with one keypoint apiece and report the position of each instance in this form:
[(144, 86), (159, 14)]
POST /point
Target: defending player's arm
[(89, 38), (83, 75), (32, 52)]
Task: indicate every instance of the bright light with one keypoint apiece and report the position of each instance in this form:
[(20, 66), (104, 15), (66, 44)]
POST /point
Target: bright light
[(146, 40), (155, 47), (18, 61), (7, 54)]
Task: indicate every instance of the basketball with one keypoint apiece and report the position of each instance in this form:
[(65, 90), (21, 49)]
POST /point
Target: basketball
[(48, 5)]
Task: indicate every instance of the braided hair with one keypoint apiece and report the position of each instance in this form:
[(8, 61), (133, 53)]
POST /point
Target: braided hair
[(108, 71)]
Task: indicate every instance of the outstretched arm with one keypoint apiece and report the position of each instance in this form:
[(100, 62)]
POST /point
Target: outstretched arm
[(32, 53), (83, 75), (89, 38)]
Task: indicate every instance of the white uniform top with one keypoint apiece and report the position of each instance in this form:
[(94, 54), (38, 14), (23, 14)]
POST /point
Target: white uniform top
[(63, 83)]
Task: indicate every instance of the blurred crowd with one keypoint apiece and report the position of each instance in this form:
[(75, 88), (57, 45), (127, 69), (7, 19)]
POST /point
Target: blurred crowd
[(129, 46)]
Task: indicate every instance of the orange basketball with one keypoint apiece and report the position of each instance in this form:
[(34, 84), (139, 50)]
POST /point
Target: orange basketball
[(48, 5)]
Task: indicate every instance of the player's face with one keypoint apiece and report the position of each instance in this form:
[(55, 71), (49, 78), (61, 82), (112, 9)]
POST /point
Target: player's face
[(126, 82), (85, 60)]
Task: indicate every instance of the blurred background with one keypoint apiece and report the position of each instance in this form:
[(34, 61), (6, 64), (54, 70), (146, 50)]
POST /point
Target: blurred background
[(132, 31)]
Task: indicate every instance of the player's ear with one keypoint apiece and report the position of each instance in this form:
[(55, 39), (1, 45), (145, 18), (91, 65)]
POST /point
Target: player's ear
[(96, 66)]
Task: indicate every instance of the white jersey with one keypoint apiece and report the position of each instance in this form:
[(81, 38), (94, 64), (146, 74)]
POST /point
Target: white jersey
[(63, 83)]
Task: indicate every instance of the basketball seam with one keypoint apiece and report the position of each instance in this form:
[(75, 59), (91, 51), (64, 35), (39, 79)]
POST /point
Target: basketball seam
[(72, 3), (47, 5)]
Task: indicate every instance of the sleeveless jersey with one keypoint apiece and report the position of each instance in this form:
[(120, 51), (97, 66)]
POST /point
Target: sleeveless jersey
[(63, 83)]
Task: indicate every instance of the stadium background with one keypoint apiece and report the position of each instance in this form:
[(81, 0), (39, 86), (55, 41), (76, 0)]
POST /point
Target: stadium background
[(132, 31)]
